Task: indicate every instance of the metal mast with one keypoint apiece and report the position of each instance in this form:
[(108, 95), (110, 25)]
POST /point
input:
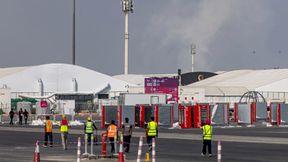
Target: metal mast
[(73, 33), (193, 52), (127, 6)]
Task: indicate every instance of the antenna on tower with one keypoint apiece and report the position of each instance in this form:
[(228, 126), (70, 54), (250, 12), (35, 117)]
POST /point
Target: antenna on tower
[(127, 6), (193, 52)]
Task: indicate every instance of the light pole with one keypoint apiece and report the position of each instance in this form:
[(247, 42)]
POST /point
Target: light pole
[(127, 6), (73, 34), (193, 52)]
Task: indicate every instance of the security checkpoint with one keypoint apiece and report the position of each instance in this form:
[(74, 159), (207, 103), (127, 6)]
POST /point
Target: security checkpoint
[(220, 114), (191, 116), (250, 113), (139, 115)]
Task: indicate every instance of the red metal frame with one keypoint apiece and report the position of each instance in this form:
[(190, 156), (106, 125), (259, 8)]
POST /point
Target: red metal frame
[(142, 116), (278, 114), (156, 113), (253, 112), (103, 117), (187, 117), (236, 113), (181, 114), (172, 115), (119, 116), (228, 114), (197, 116)]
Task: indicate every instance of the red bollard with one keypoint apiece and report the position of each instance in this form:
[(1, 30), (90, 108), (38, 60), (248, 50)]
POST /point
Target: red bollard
[(103, 143)]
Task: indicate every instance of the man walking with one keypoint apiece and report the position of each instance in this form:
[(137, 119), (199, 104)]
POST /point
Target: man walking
[(207, 137), (89, 129), (151, 132), (64, 131), (48, 132), (20, 114), (127, 133), (26, 114), (111, 133), (11, 114)]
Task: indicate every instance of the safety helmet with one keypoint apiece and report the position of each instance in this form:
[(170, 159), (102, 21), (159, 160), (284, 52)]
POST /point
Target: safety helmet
[(88, 118)]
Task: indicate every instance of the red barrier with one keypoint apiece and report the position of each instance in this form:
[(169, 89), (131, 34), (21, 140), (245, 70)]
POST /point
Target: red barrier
[(142, 116), (187, 117), (172, 116), (278, 115), (103, 117), (236, 113), (119, 114), (156, 113)]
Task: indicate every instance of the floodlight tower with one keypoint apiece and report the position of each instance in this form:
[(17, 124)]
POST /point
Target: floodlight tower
[(127, 6), (193, 52)]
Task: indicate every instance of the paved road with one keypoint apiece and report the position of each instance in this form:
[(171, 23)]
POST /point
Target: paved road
[(239, 145)]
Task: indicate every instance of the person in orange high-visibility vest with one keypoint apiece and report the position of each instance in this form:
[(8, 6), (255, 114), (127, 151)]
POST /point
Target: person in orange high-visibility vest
[(111, 133), (48, 132), (64, 127)]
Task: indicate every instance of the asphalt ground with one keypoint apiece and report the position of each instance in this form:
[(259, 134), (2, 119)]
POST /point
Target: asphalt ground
[(17, 144)]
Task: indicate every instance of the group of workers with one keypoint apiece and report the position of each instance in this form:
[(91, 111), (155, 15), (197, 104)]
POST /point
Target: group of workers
[(112, 133)]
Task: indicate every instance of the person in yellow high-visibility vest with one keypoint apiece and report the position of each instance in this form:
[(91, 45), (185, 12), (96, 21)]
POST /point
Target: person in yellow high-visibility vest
[(151, 132), (207, 138), (48, 132), (89, 128), (111, 134), (64, 127)]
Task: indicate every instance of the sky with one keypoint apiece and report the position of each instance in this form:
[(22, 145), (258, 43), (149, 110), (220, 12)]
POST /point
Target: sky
[(228, 34)]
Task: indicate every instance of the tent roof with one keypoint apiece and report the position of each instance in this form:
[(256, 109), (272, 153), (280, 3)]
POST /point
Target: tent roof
[(239, 81), (58, 78)]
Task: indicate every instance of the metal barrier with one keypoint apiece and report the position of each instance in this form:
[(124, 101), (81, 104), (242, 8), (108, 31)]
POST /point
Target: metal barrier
[(220, 114)]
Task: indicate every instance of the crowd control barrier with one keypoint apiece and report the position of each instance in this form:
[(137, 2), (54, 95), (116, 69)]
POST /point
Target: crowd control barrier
[(191, 116), (244, 113), (220, 114), (110, 113), (275, 117), (283, 114), (278, 114), (143, 114), (165, 115)]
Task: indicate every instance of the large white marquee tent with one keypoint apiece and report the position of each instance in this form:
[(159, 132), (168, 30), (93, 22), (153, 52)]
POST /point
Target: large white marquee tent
[(53, 78), (230, 86)]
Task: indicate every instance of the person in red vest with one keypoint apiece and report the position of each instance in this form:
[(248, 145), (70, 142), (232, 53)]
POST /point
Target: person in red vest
[(111, 133), (48, 132), (64, 131)]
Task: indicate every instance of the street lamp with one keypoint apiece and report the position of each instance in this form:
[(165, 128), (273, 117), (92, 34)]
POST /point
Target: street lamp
[(193, 52), (127, 6)]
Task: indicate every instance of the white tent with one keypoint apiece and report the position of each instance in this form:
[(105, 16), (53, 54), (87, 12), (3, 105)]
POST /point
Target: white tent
[(53, 78)]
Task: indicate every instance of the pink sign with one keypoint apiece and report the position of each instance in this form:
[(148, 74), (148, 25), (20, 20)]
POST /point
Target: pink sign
[(43, 104), (163, 85)]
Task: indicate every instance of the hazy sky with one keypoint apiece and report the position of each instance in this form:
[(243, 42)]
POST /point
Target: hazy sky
[(226, 32)]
